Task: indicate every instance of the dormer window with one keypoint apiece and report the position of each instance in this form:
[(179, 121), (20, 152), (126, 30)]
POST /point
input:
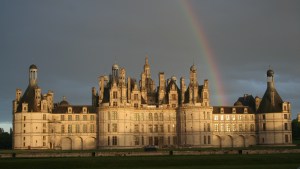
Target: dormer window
[(245, 110), (233, 110), (69, 109), (24, 107), (222, 110), (84, 110)]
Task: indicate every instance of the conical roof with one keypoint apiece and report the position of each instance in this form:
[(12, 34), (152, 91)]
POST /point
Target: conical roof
[(271, 101), (28, 97)]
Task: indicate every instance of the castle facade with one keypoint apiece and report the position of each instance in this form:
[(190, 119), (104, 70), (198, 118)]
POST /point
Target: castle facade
[(126, 113)]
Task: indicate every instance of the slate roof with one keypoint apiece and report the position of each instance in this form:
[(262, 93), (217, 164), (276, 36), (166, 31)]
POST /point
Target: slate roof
[(266, 105), (28, 97), (228, 109), (58, 109)]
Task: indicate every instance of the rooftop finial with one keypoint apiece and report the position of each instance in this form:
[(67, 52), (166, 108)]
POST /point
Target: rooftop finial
[(146, 59)]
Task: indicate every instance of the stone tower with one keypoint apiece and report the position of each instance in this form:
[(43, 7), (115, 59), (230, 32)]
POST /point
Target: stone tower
[(273, 116)]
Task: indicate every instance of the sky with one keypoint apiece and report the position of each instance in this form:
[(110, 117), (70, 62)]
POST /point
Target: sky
[(232, 43)]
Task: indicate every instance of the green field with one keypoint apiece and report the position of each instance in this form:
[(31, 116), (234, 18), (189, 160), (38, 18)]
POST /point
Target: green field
[(272, 161)]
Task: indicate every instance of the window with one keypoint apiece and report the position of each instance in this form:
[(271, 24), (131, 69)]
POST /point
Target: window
[(92, 117), (208, 139), (204, 139), (62, 117), (208, 115), (142, 117), (70, 117), (216, 126), (136, 105), (228, 127), (216, 117), (114, 140), (208, 127), (115, 95), (150, 116), (285, 126), (69, 128), (114, 116), (264, 126), (84, 117), (161, 128), (84, 128), (92, 128), (155, 116), (156, 128), (135, 97), (222, 127), (233, 127), (24, 118), (264, 117), (115, 104), (150, 128), (246, 127), (169, 128), (173, 96), (115, 127), (233, 117), (285, 116), (240, 117), (161, 117), (44, 124), (205, 95), (142, 128), (136, 140), (136, 116), (108, 140), (136, 128), (77, 117), (44, 116), (252, 127), (286, 138), (240, 127), (150, 140), (77, 128), (44, 130), (222, 117), (227, 117)]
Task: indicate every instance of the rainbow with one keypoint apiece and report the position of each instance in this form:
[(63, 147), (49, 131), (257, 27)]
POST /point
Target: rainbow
[(205, 50)]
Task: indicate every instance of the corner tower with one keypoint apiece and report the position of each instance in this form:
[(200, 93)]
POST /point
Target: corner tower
[(273, 116)]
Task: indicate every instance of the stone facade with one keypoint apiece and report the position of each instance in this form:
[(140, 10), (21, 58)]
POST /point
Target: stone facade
[(128, 114)]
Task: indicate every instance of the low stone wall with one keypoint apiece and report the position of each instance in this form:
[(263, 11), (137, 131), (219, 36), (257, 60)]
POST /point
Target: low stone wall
[(154, 153)]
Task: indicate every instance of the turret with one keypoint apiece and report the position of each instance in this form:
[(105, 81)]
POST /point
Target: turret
[(147, 68), (161, 87), (115, 72), (33, 75)]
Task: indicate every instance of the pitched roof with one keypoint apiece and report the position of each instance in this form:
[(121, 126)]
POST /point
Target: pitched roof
[(61, 109), (228, 109)]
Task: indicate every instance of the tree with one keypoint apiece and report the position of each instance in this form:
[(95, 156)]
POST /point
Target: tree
[(296, 129)]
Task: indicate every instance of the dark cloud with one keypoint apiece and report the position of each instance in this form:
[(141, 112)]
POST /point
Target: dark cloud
[(73, 42)]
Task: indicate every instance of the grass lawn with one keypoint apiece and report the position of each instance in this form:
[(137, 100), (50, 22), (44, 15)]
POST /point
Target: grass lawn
[(272, 161)]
